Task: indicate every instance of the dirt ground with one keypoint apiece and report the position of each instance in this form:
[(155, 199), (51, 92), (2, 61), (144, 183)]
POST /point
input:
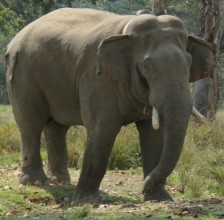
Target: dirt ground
[(123, 194), (123, 200)]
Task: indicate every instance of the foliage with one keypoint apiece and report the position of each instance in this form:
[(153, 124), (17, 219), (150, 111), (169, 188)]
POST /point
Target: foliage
[(126, 153), (28, 10), (10, 23), (9, 135), (123, 7), (200, 172), (76, 141), (188, 11), (13, 16)]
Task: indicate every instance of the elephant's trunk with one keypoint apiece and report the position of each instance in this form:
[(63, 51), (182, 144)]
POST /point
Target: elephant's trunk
[(175, 117)]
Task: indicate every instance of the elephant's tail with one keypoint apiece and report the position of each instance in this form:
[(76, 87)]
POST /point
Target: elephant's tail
[(11, 60)]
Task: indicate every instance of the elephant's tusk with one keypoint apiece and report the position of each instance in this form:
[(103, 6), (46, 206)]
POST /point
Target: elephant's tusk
[(198, 115), (155, 118)]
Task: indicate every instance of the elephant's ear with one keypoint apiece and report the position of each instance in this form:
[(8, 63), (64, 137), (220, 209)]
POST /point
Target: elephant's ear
[(114, 58), (202, 58)]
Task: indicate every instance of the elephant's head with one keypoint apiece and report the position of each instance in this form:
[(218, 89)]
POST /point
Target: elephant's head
[(156, 59)]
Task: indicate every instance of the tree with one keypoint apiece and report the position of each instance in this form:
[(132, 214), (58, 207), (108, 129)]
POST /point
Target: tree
[(13, 16), (206, 90), (28, 10), (159, 7), (10, 24), (67, 3)]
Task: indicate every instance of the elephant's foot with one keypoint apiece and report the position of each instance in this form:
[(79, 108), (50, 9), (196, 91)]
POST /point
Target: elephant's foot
[(35, 178), (158, 193), (81, 196), (62, 178)]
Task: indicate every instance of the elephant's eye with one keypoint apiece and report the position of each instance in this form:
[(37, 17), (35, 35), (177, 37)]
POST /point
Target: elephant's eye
[(141, 77)]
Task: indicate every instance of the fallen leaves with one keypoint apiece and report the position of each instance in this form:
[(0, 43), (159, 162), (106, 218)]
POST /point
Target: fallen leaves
[(120, 183), (6, 187), (40, 200), (187, 212), (129, 205), (13, 212)]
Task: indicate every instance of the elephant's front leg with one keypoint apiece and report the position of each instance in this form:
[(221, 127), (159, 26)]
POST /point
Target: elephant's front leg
[(151, 142), (100, 140)]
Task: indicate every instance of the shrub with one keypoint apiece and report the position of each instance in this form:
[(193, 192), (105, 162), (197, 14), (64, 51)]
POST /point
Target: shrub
[(200, 168), (9, 134), (76, 142), (125, 153), (9, 138)]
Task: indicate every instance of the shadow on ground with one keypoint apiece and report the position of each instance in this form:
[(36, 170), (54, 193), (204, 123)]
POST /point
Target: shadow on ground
[(64, 194)]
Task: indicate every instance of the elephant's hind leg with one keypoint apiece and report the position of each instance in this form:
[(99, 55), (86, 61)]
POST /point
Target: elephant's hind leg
[(32, 169), (55, 135)]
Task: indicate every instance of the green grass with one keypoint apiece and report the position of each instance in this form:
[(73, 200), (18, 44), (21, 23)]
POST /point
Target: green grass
[(125, 153), (6, 114), (200, 171), (9, 134)]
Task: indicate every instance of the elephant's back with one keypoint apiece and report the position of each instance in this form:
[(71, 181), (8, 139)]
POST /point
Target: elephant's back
[(72, 16), (64, 20), (66, 26)]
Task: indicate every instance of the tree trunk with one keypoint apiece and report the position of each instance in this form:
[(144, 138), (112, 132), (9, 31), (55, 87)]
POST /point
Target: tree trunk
[(69, 3), (93, 2), (206, 92), (159, 7)]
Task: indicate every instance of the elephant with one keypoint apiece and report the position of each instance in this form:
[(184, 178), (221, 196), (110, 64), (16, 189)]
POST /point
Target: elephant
[(103, 71)]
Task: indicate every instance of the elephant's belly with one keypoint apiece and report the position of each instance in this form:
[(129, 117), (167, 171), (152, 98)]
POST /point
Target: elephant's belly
[(67, 114), (67, 119)]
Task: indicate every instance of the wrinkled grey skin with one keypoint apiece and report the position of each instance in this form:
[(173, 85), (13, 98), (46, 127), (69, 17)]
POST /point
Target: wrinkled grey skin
[(100, 70)]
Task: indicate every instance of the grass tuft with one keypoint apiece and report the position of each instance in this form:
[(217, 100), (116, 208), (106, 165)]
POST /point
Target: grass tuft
[(76, 144), (9, 138), (200, 168), (126, 152)]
